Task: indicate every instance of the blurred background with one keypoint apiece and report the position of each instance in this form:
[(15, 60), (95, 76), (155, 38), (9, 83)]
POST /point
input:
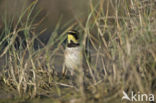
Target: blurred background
[(52, 10)]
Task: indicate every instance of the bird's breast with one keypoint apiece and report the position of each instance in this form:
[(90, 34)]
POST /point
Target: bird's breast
[(73, 57)]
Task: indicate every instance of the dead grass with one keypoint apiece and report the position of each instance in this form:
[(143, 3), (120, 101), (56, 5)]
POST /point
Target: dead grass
[(122, 47)]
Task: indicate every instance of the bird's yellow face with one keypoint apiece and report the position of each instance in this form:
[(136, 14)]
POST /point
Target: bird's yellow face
[(72, 37)]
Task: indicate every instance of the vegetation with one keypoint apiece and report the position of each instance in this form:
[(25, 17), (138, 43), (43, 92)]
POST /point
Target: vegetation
[(122, 43)]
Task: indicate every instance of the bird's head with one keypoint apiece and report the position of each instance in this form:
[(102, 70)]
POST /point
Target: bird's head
[(73, 38)]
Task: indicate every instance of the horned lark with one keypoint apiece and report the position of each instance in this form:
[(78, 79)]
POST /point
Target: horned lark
[(73, 56), (74, 60)]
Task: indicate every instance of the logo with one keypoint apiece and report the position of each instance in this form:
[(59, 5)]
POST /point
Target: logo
[(137, 97)]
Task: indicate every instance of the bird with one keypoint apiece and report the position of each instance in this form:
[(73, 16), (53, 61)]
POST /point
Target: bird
[(73, 61), (73, 55)]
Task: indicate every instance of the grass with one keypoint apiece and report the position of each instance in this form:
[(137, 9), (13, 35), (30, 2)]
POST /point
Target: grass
[(121, 41)]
